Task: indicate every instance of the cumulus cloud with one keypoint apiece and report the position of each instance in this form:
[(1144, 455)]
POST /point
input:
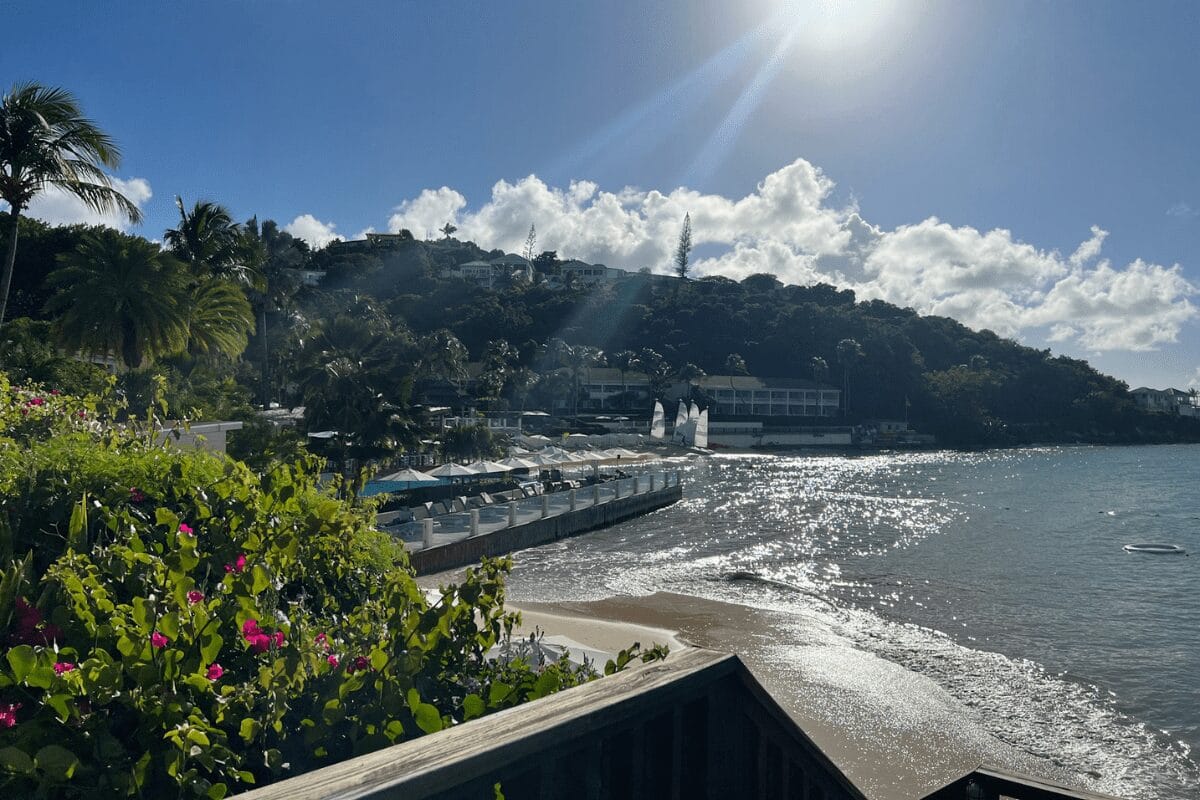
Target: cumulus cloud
[(312, 230), (1183, 211), (59, 208), (789, 226), (1194, 383)]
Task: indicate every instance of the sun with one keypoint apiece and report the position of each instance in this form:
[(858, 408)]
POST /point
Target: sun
[(835, 26)]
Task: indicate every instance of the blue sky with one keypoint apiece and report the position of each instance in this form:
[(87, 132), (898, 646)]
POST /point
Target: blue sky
[(950, 156)]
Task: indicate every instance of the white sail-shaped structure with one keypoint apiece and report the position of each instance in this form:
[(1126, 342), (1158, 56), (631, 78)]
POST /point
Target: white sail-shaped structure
[(658, 424), (694, 413), (700, 438), (681, 415)]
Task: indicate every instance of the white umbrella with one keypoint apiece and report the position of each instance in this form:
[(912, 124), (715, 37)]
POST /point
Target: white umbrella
[(590, 455), (488, 467), (519, 463), (622, 453), (452, 470), (408, 476), (545, 460)]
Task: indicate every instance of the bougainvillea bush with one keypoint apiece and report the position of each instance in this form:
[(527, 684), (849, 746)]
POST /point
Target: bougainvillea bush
[(176, 624)]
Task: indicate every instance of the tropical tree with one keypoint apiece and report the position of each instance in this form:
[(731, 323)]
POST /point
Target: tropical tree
[(350, 381), (47, 142), (625, 361), (443, 357), (521, 383), (658, 372), (209, 240), (820, 369), (274, 255), (121, 296), (849, 353), (736, 364), (219, 319)]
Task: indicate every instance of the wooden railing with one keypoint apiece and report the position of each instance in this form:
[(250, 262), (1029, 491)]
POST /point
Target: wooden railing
[(697, 725)]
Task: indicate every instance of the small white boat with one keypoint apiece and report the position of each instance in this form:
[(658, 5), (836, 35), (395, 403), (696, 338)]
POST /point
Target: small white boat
[(1155, 549)]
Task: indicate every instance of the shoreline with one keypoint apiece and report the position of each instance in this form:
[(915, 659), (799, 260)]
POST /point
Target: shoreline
[(893, 732)]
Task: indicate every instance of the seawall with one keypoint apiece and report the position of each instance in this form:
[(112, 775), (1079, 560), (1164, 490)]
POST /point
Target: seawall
[(541, 531)]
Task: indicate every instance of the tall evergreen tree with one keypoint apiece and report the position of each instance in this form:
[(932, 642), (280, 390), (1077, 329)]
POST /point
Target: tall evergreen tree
[(683, 250)]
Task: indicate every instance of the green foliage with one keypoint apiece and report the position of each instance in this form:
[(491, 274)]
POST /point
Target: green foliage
[(179, 625)]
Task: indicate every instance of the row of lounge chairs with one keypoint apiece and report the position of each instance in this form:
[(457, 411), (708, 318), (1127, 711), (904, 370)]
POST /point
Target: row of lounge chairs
[(460, 504)]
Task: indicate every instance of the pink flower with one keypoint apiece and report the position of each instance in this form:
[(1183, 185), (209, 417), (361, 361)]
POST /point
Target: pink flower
[(30, 628), (135, 494), (215, 671), (8, 715), (194, 597), (55, 392), (238, 565), (81, 413), (37, 401), (63, 666), (278, 638), (158, 641), (333, 660), (250, 627), (186, 529), (259, 642), (359, 663), (321, 640)]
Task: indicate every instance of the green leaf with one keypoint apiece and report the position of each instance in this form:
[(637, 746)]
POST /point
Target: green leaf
[(60, 703), (57, 762), (473, 706), (217, 791), (77, 528), (260, 578), (498, 692), (210, 647), (15, 760), (249, 729), (428, 718), (22, 659), (547, 683)]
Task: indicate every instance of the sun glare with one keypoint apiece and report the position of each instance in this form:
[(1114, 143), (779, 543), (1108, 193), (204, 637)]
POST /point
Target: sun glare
[(836, 26)]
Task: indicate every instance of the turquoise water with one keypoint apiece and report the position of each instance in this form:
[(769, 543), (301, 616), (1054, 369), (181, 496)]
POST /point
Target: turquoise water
[(1000, 576)]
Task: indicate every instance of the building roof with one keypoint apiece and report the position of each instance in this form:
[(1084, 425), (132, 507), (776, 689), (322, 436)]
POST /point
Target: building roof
[(510, 260), (750, 382), (475, 263), (613, 375)]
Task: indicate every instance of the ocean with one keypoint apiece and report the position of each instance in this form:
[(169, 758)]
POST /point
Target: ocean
[(995, 580)]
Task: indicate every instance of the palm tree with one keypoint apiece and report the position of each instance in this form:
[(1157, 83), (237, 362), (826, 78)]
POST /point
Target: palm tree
[(849, 352), (625, 361), (820, 369), (219, 320), (349, 380), (121, 296), (273, 255), (46, 141), (209, 240)]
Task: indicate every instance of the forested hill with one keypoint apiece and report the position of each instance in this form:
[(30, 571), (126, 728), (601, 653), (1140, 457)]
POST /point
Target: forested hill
[(970, 388)]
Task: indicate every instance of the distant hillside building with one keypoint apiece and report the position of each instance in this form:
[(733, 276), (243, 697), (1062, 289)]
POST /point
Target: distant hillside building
[(489, 273), (1166, 401), (746, 395), (584, 273)]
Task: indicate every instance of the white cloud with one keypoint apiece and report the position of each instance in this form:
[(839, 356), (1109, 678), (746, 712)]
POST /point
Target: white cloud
[(1089, 249), (1183, 211), (312, 230), (59, 208), (788, 226), (1194, 383)]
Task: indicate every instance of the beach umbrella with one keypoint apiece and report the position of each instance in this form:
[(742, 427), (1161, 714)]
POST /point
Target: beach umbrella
[(519, 463), (407, 476), (545, 460), (488, 467), (452, 470), (623, 454)]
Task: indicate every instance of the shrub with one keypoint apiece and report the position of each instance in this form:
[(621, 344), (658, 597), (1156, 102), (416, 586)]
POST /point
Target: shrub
[(177, 624)]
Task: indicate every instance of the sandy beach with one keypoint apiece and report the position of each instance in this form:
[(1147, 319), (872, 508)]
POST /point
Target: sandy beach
[(895, 733)]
